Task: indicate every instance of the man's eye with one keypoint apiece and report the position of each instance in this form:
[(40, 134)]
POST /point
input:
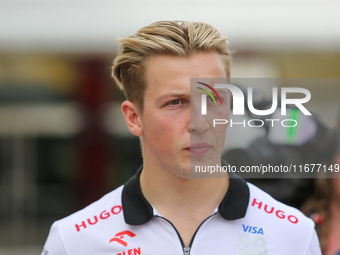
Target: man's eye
[(175, 102)]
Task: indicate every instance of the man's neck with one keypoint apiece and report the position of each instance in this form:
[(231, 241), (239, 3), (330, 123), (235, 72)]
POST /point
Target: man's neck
[(167, 191), (184, 202)]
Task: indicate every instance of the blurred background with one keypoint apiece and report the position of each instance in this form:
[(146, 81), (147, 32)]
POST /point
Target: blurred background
[(63, 140)]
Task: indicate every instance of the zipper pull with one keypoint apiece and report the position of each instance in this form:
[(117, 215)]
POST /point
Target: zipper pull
[(186, 250)]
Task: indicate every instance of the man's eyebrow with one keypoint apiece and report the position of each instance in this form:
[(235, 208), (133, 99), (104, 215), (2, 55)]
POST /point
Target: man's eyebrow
[(172, 94), (222, 91)]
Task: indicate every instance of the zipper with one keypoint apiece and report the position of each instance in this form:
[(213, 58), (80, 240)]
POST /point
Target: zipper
[(186, 249), (193, 237)]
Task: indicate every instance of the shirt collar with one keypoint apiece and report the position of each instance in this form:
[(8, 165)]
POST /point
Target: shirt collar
[(137, 210)]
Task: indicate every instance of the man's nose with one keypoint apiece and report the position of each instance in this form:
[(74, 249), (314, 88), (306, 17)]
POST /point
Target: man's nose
[(198, 122)]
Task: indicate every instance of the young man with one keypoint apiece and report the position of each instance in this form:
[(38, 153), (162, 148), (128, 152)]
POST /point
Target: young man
[(161, 210)]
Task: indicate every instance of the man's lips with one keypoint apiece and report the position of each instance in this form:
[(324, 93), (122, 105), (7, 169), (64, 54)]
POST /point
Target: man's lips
[(199, 148)]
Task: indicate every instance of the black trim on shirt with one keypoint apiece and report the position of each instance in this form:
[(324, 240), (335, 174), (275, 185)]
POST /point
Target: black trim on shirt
[(235, 202), (137, 210)]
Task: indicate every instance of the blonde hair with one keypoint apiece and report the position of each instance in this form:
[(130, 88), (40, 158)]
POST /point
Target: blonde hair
[(177, 38)]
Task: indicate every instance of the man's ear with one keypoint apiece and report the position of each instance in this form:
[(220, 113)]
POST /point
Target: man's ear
[(132, 118)]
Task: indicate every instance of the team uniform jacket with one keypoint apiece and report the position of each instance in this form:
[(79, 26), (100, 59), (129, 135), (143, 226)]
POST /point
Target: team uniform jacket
[(247, 222)]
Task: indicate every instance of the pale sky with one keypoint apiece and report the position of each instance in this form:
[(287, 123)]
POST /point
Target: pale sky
[(95, 24)]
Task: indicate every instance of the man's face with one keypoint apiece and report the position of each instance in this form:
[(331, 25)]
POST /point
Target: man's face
[(174, 131)]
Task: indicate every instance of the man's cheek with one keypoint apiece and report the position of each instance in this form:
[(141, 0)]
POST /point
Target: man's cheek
[(220, 113), (168, 134)]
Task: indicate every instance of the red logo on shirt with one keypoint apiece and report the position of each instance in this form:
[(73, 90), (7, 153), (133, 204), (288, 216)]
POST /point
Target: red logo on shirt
[(121, 236), (134, 251), (102, 216), (279, 213)]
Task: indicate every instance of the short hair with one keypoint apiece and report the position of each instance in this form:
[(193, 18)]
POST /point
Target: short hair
[(175, 38)]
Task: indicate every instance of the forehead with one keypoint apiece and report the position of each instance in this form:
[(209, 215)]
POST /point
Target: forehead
[(167, 73)]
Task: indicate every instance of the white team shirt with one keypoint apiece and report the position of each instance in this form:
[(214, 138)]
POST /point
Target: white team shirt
[(247, 222)]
